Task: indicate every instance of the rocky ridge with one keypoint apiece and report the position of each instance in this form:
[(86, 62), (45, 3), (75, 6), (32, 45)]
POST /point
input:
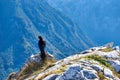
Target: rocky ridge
[(97, 63)]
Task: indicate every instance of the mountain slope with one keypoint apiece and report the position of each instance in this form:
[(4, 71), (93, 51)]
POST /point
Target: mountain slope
[(94, 17), (20, 24), (97, 63)]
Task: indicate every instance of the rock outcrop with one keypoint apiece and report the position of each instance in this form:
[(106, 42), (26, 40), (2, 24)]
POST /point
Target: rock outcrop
[(33, 64), (97, 63)]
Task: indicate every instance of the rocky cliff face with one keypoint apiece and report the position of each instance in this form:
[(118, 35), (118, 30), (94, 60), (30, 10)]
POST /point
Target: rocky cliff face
[(97, 63)]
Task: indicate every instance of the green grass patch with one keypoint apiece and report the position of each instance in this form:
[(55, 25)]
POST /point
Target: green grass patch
[(106, 50), (104, 62), (98, 58)]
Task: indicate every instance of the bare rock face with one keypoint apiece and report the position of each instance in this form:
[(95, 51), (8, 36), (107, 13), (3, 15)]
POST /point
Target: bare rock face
[(108, 73), (115, 64), (71, 73), (97, 68), (109, 45), (117, 48)]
